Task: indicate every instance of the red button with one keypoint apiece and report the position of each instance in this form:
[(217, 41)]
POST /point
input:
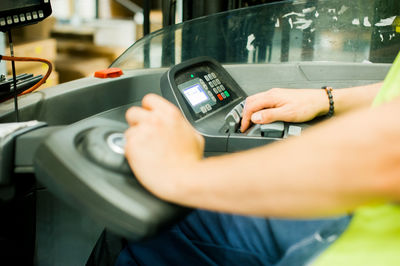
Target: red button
[(108, 73), (220, 97)]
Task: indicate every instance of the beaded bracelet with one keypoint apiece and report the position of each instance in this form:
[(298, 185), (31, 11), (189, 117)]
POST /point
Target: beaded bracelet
[(331, 103)]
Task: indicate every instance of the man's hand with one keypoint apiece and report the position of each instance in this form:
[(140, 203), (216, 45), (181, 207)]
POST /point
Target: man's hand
[(160, 144), (289, 105)]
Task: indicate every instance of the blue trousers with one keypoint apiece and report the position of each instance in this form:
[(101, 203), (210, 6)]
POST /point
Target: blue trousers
[(209, 238)]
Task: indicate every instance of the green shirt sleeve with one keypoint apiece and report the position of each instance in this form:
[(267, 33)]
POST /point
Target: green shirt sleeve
[(391, 85)]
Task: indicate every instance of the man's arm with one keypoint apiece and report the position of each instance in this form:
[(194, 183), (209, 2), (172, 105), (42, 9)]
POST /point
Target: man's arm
[(300, 105), (332, 168)]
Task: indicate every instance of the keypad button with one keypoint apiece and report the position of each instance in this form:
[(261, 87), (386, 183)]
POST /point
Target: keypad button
[(215, 82), (22, 17), (208, 107), (206, 78), (219, 89), (46, 1), (2, 22), (9, 20), (41, 14), (223, 95), (213, 75), (28, 16), (213, 98), (211, 84), (220, 97), (34, 15), (215, 90), (227, 93), (16, 19), (210, 76), (222, 87), (203, 109), (218, 82)]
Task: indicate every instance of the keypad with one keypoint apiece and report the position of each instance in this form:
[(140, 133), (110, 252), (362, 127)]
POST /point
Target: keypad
[(215, 90), (216, 86)]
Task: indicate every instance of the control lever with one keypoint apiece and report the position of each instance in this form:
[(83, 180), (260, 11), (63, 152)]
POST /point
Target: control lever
[(273, 130), (234, 118)]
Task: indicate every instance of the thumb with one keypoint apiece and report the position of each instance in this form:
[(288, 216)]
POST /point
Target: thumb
[(266, 116)]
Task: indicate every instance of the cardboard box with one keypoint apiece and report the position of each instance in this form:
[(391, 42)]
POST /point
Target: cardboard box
[(51, 81), (101, 32), (113, 9), (114, 32), (38, 31), (71, 68), (46, 49)]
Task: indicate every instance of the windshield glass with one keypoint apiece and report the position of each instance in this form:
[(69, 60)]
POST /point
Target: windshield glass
[(288, 31)]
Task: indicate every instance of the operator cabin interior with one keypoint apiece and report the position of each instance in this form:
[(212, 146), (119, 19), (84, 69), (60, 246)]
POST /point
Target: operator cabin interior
[(71, 68)]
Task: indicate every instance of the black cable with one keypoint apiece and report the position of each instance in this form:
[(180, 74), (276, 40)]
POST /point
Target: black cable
[(14, 76)]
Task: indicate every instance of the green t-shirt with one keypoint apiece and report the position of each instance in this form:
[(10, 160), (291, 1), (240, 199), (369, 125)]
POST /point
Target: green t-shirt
[(372, 239), (373, 235)]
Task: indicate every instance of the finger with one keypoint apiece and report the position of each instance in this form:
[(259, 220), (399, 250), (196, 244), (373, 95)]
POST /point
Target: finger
[(249, 109), (136, 114), (266, 116), (129, 134), (155, 102), (256, 103)]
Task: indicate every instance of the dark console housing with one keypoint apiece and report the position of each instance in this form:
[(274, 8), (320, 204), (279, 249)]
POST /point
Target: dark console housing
[(17, 13), (213, 103)]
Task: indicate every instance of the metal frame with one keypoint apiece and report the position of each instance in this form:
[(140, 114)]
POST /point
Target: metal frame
[(3, 69)]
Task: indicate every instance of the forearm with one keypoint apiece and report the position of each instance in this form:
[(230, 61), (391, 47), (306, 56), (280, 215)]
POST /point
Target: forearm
[(355, 97), (318, 174)]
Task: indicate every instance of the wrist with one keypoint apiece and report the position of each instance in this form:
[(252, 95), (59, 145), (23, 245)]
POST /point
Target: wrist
[(321, 102), (180, 182)]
